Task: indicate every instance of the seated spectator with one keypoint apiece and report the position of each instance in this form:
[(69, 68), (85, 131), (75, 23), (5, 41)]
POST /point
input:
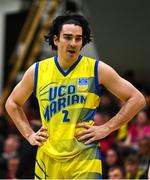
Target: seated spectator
[(138, 130), (132, 170), (116, 172), (10, 148), (144, 155), (12, 167), (112, 159)]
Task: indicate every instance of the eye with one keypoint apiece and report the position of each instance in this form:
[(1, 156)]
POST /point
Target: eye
[(78, 38), (67, 37)]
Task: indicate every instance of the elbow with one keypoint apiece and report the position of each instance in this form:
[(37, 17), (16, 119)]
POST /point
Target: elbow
[(9, 105), (142, 101)]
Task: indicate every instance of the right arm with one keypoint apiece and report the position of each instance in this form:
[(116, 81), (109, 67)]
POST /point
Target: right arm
[(14, 104)]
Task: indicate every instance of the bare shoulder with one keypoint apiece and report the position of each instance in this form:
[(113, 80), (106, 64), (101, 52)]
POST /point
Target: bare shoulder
[(27, 81), (106, 73), (30, 72)]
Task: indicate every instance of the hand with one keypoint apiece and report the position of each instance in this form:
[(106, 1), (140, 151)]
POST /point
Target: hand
[(39, 137), (91, 133)]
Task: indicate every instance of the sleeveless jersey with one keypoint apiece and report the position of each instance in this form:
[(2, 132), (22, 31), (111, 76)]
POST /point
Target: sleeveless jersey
[(66, 98)]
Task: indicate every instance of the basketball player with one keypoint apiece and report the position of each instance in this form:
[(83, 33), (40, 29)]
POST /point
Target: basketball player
[(68, 89)]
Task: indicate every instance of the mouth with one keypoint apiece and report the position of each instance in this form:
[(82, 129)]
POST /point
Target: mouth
[(71, 51)]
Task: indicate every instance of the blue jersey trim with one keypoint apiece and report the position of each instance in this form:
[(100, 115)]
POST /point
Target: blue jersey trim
[(89, 115), (35, 77), (98, 176), (71, 67), (98, 87), (98, 153)]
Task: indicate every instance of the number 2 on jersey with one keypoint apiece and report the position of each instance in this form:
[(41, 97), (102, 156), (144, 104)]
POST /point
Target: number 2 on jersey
[(66, 118)]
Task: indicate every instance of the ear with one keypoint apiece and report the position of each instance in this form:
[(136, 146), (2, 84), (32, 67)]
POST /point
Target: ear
[(55, 39)]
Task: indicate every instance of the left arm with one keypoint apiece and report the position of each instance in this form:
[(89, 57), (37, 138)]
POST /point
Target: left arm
[(125, 91)]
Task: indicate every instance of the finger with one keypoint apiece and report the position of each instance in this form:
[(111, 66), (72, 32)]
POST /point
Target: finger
[(37, 143), (41, 139), (79, 125), (85, 137), (43, 128), (82, 132), (40, 144), (90, 140), (43, 134)]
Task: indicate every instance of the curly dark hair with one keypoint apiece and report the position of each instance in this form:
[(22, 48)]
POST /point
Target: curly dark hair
[(68, 18)]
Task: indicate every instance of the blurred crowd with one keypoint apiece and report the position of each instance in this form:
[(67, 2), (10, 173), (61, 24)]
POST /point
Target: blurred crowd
[(125, 152)]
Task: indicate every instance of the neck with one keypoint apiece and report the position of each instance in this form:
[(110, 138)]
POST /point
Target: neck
[(66, 63)]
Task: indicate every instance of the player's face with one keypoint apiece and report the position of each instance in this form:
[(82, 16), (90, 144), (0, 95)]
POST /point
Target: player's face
[(69, 42)]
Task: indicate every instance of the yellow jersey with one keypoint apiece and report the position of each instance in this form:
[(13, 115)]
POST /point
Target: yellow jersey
[(66, 98)]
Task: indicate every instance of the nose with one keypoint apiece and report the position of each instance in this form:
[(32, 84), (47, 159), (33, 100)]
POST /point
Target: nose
[(73, 42)]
